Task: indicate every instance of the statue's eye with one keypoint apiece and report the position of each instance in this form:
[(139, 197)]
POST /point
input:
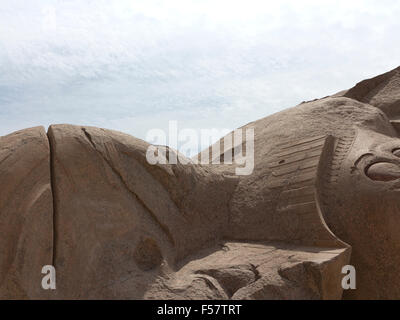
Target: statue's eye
[(396, 152), (384, 171)]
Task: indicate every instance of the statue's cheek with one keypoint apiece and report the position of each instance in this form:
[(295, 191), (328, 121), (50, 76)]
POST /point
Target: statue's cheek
[(383, 171)]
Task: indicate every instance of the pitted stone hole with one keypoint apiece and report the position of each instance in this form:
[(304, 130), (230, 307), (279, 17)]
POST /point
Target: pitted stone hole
[(282, 162), (147, 255)]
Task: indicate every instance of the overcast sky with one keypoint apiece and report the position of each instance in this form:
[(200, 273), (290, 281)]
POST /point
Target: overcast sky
[(133, 65)]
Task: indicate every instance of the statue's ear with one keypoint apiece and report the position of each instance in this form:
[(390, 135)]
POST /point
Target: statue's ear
[(396, 125)]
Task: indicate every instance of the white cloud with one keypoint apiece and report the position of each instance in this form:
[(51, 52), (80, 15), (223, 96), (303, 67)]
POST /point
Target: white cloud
[(123, 64)]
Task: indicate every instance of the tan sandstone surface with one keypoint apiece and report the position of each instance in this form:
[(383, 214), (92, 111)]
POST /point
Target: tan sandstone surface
[(324, 193), (26, 213)]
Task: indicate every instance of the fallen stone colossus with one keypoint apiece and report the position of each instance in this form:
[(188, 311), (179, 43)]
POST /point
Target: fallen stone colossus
[(324, 193)]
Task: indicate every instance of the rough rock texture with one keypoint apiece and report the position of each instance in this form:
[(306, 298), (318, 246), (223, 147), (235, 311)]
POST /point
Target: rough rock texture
[(324, 193), (26, 213), (382, 92), (118, 218), (256, 271)]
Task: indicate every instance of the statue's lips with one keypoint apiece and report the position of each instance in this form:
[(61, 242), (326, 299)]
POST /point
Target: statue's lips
[(383, 171)]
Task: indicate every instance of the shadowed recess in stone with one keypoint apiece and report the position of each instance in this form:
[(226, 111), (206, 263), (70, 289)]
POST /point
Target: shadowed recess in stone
[(147, 254)]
